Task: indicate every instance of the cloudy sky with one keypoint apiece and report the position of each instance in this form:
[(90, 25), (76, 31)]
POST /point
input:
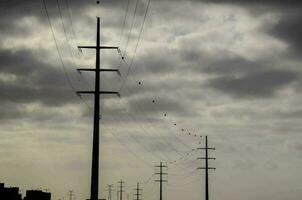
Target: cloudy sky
[(229, 69)]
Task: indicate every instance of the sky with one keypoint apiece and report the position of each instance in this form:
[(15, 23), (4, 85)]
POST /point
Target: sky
[(229, 69)]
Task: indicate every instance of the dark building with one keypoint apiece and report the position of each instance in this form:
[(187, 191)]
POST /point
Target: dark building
[(37, 195), (11, 193)]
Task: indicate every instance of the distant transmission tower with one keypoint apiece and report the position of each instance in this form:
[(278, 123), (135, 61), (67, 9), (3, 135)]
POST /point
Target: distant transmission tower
[(206, 168), (161, 179), (97, 93), (121, 189), (137, 194), (70, 194), (110, 190)]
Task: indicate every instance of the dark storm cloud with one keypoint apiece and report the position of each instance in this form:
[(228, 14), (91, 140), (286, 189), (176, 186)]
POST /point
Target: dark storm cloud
[(9, 111), (32, 80), (233, 66), (289, 29), (266, 2), (29, 94), (259, 84)]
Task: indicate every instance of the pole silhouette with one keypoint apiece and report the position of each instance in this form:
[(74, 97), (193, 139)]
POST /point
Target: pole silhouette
[(137, 195), (161, 180), (206, 168), (121, 189), (96, 125), (70, 194), (110, 189)]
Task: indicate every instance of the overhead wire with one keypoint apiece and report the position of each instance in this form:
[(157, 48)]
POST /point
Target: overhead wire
[(136, 47), (124, 22), (138, 40), (68, 42), (60, 55), (137, 43), (131, 27)]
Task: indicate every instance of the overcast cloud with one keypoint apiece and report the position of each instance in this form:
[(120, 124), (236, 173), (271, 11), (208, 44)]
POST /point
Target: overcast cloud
[(230, 69)]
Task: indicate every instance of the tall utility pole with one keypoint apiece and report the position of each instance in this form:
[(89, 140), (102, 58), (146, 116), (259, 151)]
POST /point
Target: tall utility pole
[(110, 189), (161, 180), (95, 149), (206, 168), (121, 189), (137, 195), (70, 194)]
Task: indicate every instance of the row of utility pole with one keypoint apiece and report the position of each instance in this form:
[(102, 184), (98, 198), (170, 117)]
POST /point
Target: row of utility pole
[(94, 187), (162, 177)]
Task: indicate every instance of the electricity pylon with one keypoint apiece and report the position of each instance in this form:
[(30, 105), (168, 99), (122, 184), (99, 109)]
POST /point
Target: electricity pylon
[(121, 189), (137, 194), (110, 190), (95, 149), (161, 180), (206, 168)]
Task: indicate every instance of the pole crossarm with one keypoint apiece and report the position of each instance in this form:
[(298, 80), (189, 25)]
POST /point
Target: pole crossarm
[(206, 158), (100, 70), (98, 47), (209, 148), (206, 168), (101, 92)]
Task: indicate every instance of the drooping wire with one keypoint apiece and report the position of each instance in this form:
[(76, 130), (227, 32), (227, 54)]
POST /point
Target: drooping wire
[(69, 14), (137, 43), (60, 55), (68, 42), (136, 47), (124, 22), (131, 28)]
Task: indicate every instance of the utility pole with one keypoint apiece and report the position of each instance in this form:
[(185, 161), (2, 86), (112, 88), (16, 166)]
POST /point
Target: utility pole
[(161, 180), (110, 189), (70, 194), (137, 195), (97, 93), (206, 168), (121, 189)]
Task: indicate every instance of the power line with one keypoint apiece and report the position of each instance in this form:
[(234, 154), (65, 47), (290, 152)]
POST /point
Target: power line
[(59, 53), (124, 22), (69, 13), (67, 40), (131, 27), (137, 43)]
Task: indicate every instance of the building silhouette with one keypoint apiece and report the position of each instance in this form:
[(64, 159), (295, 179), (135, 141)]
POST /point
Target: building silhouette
[(9, 193), (12, 193), (37, 195)]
